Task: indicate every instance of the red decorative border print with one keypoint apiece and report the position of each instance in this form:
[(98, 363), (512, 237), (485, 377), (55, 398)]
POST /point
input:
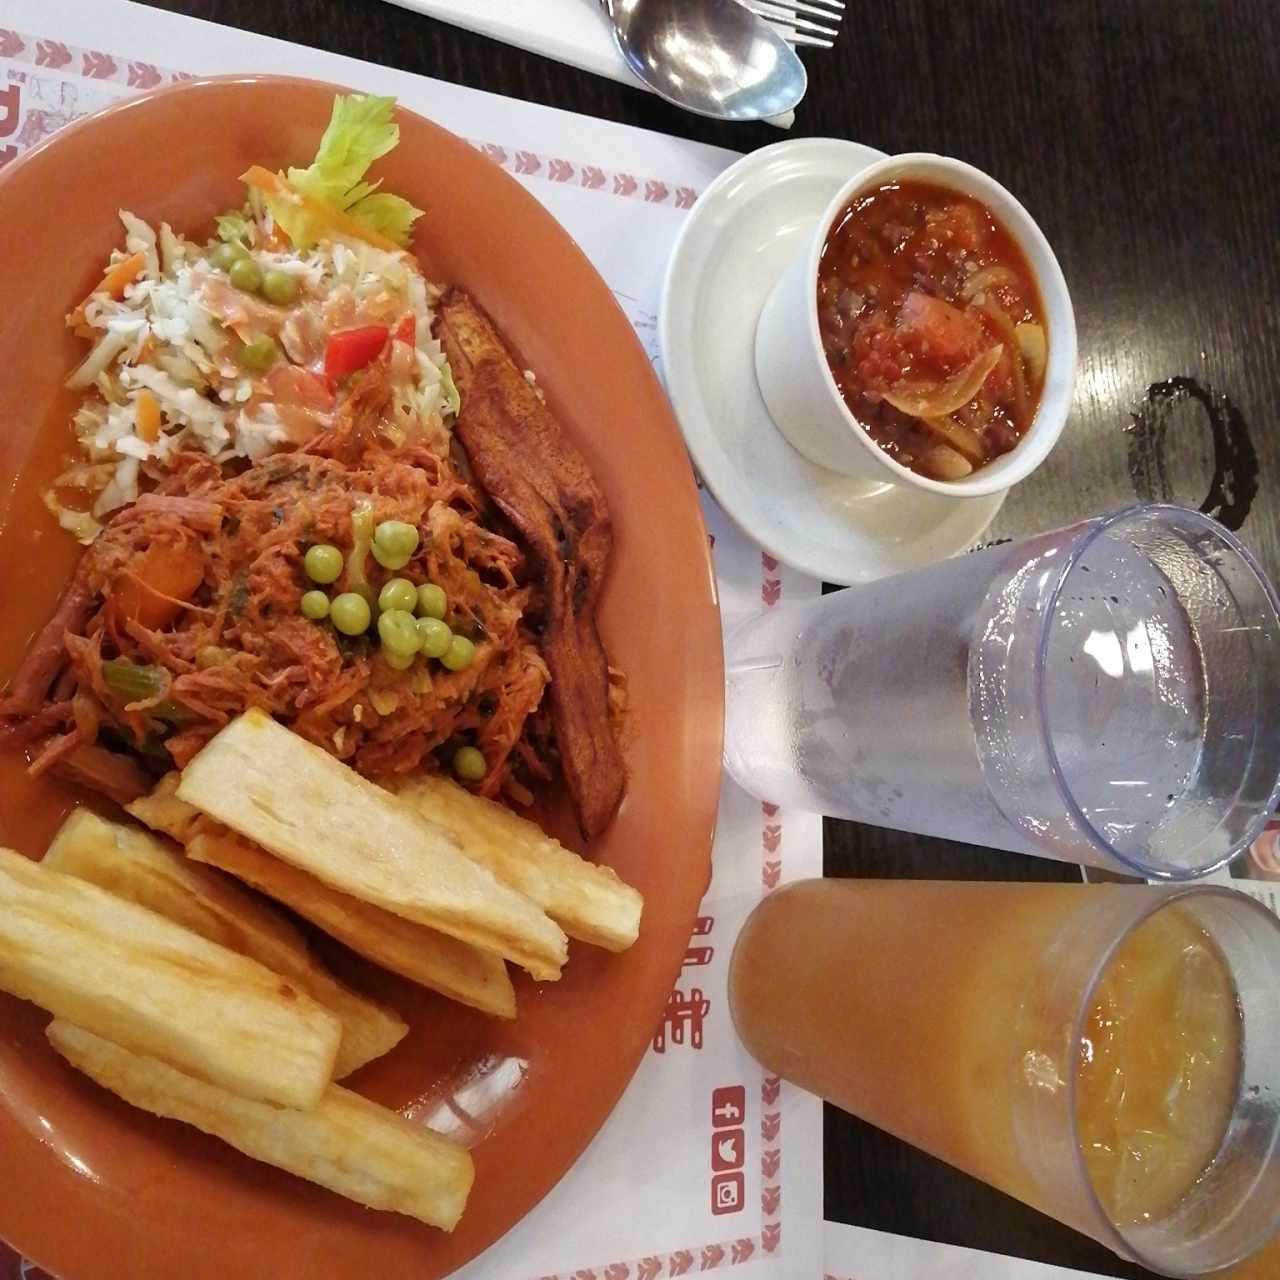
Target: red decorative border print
[(131, 73), (590, 177), (770, 878), (90, 64), (771, 832)]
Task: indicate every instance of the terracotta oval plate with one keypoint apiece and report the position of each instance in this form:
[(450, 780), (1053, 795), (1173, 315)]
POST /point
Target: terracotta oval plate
[(93, 1188)]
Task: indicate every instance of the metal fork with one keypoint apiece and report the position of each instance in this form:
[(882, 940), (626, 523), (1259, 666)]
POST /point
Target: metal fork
[(807, 22)]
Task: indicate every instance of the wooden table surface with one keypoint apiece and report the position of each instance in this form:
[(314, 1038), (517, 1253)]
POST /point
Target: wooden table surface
[(1144, 137)]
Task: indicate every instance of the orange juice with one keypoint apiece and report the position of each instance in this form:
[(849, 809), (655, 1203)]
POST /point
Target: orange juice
[(917, 1006), (1159, 1068), (1263, 1266)]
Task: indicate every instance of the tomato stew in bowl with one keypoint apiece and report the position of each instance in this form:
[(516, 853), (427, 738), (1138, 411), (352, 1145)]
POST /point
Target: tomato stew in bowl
[(933, 327)]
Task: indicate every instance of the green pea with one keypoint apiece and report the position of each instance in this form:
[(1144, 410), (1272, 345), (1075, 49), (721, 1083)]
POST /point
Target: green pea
[(432, 601), (434, 637), (314, 605), (258, 354), (399, 632), (246, 275), (280, 287), (323, 563), (394, 563), (226, 255), (398, 593), (460, 654), (351, 613), (397, 661), (395, 538), (469, 764)]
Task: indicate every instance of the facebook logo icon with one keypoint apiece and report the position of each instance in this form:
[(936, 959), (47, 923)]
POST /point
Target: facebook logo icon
[(728, 1106)]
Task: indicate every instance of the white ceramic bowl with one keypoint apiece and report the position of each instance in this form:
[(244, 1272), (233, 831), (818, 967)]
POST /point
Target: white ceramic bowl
[(796, 381)]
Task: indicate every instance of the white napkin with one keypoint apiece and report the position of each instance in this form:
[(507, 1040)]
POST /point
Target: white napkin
[(572, 31)]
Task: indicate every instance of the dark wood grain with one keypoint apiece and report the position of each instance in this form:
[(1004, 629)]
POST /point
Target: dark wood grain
[(1144, 136)]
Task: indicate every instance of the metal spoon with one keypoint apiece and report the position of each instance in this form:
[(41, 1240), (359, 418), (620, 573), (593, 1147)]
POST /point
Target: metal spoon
[(712, 57)]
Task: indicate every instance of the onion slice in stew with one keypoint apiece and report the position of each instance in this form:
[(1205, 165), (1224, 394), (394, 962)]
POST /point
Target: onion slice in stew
[(991, 277), (964, 440), (1034, 348), (939, 462), (1004, 326), (939, 399)]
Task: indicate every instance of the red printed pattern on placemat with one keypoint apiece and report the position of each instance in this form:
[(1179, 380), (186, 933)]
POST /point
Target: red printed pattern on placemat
[(590, 177), (771, 832), (666, 1266), (92, 64), (132, 73), (770, 878)]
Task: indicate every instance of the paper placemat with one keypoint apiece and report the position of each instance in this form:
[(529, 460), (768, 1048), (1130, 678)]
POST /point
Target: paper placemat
[(854, 1253), (718, 1166)]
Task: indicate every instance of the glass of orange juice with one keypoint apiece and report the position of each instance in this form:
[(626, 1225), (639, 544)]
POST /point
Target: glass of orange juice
[(1109, 1054)]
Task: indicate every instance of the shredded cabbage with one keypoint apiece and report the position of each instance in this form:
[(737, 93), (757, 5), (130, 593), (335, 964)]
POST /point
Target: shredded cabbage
[(232, 226), (121, 490), (451, 396), (80, 524), (110, 345), (140, 238), (173, 249)]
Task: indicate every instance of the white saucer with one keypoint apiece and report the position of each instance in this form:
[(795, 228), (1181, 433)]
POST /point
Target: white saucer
[(736, 243)]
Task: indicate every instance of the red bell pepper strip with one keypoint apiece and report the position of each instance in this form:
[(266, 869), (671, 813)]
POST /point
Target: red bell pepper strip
[(407, 329), (352, 349)]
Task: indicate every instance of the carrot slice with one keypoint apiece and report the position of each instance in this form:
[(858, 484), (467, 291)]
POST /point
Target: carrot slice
[(273, 184), (126, 271), (123, 273), (148, 416), (153, 591)]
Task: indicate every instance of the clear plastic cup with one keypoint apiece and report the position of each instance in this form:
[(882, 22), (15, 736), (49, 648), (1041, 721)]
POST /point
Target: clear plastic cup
[(957, 1016), (1105, 694)]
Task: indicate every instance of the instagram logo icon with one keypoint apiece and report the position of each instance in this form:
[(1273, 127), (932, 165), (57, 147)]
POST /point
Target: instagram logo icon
[(727, 1193)]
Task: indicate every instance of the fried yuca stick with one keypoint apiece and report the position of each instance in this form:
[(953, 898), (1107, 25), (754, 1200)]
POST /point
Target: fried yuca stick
[(133, 864), (346, 1143), (463, 973), (148, 984), (587, 901), (161, 810), (310, 809)]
